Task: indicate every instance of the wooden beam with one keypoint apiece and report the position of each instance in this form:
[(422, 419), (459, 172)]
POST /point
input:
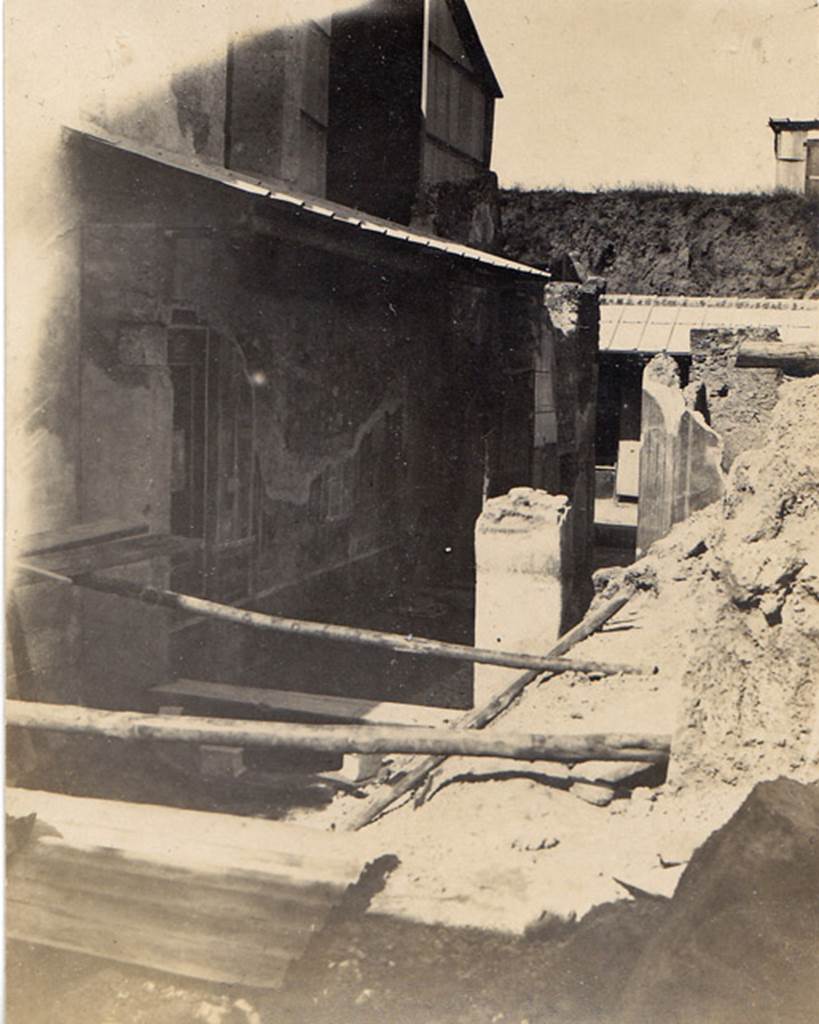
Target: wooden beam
[(210, 896), (318, 706), (479, 717), (799, 358), (339, 739), (96, 532), (406, 644), (110, 554)]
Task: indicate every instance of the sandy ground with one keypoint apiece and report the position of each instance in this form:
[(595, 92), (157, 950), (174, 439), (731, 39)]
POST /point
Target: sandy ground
[(508, 845)]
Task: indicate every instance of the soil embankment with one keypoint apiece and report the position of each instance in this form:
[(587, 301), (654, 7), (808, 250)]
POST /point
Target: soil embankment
[(671, 243)]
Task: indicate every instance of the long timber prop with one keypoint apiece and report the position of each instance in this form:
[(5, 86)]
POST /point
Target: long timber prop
[(327, 631), (479, 717), (339, 739)]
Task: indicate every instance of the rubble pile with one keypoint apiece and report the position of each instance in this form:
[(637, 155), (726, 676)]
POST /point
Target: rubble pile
[(737, 586)]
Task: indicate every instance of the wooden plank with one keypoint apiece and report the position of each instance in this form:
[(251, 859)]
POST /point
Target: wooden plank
[(96, 532), (211, 896), (112, 554), (340, 739), (315, 706), (186, 840)]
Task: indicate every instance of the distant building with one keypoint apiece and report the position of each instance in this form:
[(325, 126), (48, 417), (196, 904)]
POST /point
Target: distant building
[(796, 145)]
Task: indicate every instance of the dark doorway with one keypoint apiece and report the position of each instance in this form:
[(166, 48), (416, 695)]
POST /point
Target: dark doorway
[(212, 474), (187, 359)]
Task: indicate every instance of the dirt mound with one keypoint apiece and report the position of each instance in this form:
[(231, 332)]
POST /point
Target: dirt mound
[(738, 584), (671, 243), (739, 941)]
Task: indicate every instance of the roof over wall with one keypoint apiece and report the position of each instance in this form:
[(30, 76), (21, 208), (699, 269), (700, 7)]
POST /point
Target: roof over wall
[(320, 212), (658, 323), (785, 124)]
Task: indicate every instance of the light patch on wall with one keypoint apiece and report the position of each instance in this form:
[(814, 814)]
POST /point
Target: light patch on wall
[(66, 62)]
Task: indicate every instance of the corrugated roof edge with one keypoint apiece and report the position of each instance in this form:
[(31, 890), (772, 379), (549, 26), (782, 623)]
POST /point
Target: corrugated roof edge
[(279, 192), (780, 124), (739, 302)]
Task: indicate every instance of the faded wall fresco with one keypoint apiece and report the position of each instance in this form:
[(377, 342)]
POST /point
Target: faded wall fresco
[(355, 410)]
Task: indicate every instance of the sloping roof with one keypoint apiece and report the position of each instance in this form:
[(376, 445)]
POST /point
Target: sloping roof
[(785, 124), (313, 207), (473, 45), (660, 323)]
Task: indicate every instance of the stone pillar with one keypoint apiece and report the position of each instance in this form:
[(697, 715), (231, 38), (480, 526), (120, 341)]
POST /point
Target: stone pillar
[(570, 342), (680, 456), (520, 541)]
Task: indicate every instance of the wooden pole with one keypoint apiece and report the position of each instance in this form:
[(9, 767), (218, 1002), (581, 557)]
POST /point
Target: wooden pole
[(479, 717), (327, 631), (788, 356), (339, 739)]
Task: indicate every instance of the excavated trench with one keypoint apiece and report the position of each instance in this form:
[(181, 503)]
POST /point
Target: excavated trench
[(524, 902)]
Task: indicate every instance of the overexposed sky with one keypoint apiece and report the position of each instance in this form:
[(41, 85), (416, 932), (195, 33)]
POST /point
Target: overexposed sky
[(676, 92)]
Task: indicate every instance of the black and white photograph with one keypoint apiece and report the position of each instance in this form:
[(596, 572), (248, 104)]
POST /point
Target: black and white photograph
[(411, 511)]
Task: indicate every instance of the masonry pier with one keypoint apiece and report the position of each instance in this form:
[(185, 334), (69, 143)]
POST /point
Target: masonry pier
[(519, 589)]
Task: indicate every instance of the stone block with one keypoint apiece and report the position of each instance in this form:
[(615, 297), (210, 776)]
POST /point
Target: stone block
[(218, 762), (598, 795), (519, 552), (359, 767)]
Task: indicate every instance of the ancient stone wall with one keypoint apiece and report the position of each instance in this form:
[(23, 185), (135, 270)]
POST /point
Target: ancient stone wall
[(465, 211), (565, 465), (739, 401), (680, 455)]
